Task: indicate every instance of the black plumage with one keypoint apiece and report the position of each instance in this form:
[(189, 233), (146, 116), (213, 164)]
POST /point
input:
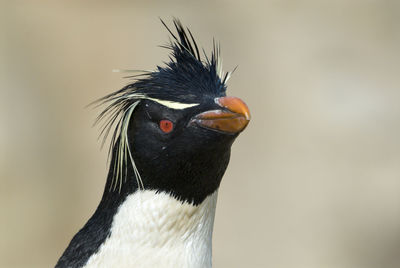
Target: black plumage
[(187, 163)]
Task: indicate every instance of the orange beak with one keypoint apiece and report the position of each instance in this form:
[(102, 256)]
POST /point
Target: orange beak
[(232, 118)]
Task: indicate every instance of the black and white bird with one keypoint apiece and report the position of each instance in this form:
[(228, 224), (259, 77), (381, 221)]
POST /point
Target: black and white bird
[(172, 134)]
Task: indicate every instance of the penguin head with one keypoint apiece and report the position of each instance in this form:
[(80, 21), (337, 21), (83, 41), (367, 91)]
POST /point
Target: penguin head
[(174, 127)]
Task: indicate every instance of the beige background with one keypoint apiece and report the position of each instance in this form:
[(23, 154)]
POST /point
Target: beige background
[(314, 182)]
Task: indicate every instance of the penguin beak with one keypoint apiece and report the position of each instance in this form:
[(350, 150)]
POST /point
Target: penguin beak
[(232, 118)]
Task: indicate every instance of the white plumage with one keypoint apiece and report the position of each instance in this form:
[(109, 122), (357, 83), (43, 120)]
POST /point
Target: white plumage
[(155, 230)]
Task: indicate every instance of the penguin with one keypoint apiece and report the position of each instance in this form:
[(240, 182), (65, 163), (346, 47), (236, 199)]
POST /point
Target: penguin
[(171, 135)]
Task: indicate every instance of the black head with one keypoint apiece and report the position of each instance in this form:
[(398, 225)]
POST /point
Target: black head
[(174, 126)]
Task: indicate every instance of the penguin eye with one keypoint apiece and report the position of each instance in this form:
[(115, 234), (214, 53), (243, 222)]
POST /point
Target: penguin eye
[(166, 126)]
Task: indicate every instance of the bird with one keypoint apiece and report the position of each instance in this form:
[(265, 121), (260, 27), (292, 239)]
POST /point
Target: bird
[(171, 132)]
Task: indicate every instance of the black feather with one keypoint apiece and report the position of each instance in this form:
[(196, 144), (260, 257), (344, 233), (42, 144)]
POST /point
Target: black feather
[(185, 78)]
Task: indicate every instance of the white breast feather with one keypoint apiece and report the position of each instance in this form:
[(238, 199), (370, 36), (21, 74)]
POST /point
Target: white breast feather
[(155, 230)]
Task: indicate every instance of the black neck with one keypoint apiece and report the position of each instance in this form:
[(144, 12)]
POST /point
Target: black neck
[(187, 180)]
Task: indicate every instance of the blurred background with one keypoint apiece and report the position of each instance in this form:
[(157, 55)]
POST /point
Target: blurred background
[(314, 182)]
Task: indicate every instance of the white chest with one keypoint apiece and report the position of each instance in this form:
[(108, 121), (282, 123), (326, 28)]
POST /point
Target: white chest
[(155, 230)]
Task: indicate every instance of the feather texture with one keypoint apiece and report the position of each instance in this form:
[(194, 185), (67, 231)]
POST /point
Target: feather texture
[(178, 85)]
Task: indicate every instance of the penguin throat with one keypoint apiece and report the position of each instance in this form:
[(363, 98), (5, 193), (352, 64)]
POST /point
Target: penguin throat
[(153, 229)]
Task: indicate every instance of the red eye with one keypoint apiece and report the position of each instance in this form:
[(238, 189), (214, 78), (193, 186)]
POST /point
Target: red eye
[(166, 126)]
